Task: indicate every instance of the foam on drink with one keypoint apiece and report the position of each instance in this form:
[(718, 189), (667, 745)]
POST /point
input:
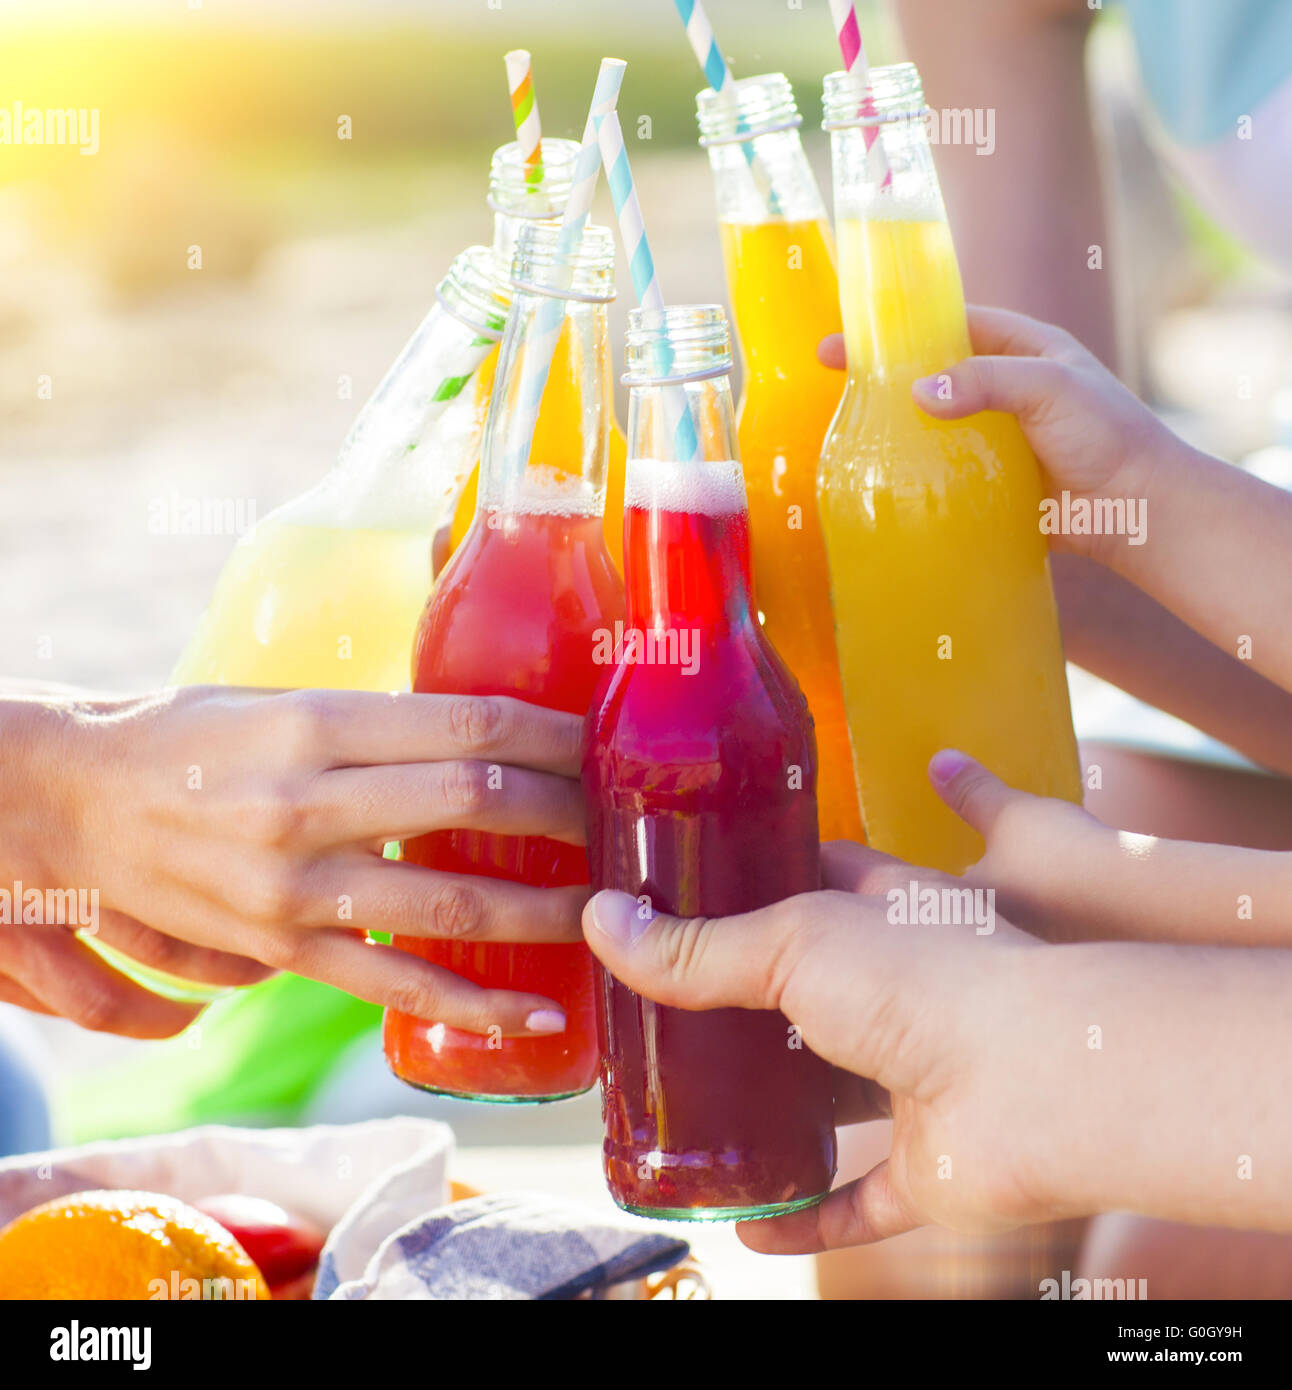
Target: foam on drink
[(706, 487)]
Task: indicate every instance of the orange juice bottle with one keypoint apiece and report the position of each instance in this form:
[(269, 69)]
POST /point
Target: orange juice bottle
[(779, 255), (948, 632), (515, 202)]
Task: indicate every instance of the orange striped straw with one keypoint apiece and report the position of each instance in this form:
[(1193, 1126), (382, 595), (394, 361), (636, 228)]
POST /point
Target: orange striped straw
[(524, 110)]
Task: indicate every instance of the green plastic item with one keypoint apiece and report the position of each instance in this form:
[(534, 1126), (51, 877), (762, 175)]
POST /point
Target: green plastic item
[(255, 1057)]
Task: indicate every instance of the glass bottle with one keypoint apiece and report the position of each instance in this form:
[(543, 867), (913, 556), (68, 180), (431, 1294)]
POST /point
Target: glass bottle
[(700, 779), (517, 202), (522, 609), (779, 254), (947, 629)]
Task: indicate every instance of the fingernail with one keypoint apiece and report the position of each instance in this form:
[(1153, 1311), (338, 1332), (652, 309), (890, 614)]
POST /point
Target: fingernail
[(947, 765), (621, 917), (926, 387), (546, 1021)]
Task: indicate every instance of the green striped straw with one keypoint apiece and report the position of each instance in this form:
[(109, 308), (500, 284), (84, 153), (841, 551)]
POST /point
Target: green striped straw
[(524, 110)]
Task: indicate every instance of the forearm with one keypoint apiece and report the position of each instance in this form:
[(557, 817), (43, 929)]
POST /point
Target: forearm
[(1216, 554), (1165, 1071), (1167, 891), (1025, 215), (1121, 634), (35, 822)]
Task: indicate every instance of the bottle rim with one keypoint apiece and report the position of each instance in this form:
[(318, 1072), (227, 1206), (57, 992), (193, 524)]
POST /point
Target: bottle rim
[(745, 109), (697, 333), (471, 294), (511, 193), (589, 268), (893, 93)]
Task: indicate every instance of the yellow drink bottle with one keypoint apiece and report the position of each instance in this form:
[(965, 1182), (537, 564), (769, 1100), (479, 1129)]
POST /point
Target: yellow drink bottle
[(947, 628), (779, 256), (516, 201)]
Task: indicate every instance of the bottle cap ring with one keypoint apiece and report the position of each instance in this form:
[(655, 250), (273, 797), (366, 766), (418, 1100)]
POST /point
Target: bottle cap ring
[(483, 329), (582, 296), (879, 118), (740, 137), (506, 211), (628, 379)]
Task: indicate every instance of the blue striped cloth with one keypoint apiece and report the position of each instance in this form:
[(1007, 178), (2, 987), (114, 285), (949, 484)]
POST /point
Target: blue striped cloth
[(507, 1245)]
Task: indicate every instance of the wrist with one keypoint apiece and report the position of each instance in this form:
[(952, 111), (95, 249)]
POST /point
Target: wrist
[(1149, 475), (43, 832)]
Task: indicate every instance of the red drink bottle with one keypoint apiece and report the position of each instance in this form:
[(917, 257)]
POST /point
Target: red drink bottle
[(522, 609), (700, 775)]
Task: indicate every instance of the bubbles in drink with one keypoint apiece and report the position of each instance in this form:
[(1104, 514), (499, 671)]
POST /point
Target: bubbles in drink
[(709, 487)]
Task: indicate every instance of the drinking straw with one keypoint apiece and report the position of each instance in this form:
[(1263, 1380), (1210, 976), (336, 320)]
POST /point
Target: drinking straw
[(700, 33), (524, 110), (844, 13), (642, 266), (541, 344)]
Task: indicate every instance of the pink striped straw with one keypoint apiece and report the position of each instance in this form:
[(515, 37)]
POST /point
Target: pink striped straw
[(844, 13)]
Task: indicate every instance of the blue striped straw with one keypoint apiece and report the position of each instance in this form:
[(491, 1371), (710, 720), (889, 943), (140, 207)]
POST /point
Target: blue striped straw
[(700, 33), (537, 362), (642, 266)]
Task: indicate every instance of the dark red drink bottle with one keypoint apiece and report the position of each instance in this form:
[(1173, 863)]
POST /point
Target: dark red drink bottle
[(700, 776)]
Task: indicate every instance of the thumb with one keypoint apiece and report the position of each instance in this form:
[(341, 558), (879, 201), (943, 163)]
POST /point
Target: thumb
[(689, 962), (1021, 386), (859, 1213), (974, 794)]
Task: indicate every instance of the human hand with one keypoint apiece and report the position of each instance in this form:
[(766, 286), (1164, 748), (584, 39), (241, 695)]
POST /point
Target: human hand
[(1093, 437), (46, 969), (945, 1022), (252, 824), (1059, 873)]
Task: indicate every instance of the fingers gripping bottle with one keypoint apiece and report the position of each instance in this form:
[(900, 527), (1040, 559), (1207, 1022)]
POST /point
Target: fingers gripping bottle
[(524, 608), (326, 590), (779, 254), (700, 778), (948, 634)]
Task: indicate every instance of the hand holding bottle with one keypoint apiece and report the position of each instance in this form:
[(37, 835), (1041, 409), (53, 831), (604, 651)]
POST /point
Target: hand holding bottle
[(1027, 1082), (1212, 538), (1059, 873), (220, 820)]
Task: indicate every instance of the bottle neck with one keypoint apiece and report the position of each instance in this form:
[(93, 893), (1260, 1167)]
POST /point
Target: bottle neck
[(397, 467), (506, 233), (765, 179), (901, 296), (686, 522), (780, 266), (899, 283), (561, 467)]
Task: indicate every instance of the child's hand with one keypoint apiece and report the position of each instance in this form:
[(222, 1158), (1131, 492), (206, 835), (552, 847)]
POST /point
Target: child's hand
[(1061, 874), (1092, 436), (1026, 1082)]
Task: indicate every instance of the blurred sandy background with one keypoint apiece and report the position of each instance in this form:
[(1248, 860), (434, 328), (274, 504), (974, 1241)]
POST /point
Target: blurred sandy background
[(218, 128)]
